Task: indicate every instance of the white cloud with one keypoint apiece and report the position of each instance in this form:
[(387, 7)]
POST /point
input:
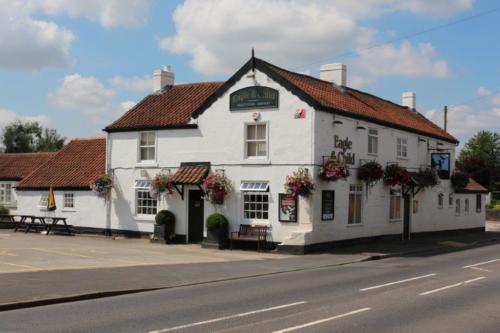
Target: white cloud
[(30, 44), (218, 34), (87, 96), (127, 105), (482, 91), (109, 13), (138, 84), (405, 60), (8, 116)]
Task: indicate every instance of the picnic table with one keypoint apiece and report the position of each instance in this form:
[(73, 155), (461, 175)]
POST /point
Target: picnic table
[(47, 223)]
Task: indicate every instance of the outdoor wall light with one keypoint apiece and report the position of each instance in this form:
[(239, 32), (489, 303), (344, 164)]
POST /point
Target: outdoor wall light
[(359, 127), (336, 122)]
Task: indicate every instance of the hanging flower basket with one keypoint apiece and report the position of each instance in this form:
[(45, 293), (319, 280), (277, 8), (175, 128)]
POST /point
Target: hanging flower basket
[(161, 185), (459, 180), (334, 169), (299, 183), (426, 178), (396, 175), (217, 186), (370, 173), (102, 185)]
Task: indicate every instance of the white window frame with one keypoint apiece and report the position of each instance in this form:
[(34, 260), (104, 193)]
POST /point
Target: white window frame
[(7, 190), (246, 140), (65, 201), (357, 190), (402, 148), (373, 136), (254, 186), (137, 206), (256, 210), (44, 201), (140, 147), (392, 209)]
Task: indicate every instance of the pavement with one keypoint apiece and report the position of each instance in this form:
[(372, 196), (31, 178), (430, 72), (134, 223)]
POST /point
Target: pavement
[(446, 292), (56, 269)]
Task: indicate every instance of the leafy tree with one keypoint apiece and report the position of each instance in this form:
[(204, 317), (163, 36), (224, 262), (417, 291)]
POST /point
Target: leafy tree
[(480, 157), (19, 137)]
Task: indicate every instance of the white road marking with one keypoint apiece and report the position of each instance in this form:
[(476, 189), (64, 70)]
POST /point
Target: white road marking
[(451, 286), (294, 328), (480, 269), (398, 282), (228, 317), (481, 263)]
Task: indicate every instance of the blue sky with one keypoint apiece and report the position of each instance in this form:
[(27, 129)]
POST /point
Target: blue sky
[(77, 65)]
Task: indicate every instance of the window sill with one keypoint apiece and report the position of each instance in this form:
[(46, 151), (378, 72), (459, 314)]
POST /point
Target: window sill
[(355, 225), (251, 161), (402, 158), (372, 154), (68, 210), (145, 218), (395, 221), (152, 164)]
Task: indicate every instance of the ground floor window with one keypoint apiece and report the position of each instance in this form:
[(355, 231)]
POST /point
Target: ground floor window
[(355, 203), (466, 207), (44, 200), (440, 200), (6, 197), (457, 207), (69, 201), (395, 207), (255, 206), (479, 204), (145, 204)]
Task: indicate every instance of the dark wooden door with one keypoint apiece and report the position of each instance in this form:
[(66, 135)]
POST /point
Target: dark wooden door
[(195, 219), (406, 217)]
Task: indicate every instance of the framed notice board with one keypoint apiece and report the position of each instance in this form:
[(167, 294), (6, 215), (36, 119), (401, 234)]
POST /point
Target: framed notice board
[(327, 205), (287, 208)]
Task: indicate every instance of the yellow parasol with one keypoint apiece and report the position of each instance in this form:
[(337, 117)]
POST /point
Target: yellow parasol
[(51, 201)]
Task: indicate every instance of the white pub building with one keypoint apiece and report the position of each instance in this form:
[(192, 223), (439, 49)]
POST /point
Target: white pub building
[(263, 124)]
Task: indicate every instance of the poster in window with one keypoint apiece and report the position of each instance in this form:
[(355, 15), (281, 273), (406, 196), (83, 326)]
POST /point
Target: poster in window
[(287, 208), (441, 163), (327, 205)]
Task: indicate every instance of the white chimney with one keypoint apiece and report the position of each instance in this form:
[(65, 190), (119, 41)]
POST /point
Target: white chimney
[(163, 78), (335, 73), (410, 100)]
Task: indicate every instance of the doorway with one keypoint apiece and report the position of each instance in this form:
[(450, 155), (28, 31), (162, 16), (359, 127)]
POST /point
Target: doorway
[(406, 217), (195, 216)]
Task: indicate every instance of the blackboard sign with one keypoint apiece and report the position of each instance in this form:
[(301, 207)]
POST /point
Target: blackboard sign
[(256, 97), (327, 205), (287, 208)]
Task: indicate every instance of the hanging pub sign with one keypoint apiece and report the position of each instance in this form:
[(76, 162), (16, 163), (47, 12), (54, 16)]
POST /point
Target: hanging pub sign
[(256, 97), (344, 145), (287, 208), (441, 163)]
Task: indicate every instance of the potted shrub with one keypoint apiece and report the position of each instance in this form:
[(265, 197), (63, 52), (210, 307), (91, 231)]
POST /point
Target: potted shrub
[(370, 173), (396, 175), (217, 186), (459, 180), (102, 185), (299, 183), (164, 228), (217, 230), (334, 169)]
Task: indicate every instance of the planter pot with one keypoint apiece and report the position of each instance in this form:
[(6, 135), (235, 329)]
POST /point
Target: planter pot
[(164, 232), (218, 236)]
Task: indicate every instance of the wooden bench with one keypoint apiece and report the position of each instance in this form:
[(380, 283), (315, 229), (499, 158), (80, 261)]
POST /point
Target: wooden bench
[(250, 233)]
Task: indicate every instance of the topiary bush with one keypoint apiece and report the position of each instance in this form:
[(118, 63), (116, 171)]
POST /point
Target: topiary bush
[(4, 210), (165, 217), (216, 221)]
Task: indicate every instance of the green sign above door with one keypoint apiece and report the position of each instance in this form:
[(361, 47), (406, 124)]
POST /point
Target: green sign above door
[(256, 97)]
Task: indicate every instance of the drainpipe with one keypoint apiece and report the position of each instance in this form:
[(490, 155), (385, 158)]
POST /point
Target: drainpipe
[(111, 173)]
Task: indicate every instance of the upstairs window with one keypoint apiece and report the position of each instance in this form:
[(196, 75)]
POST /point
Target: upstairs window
[(147, 147), (402, 148), (256, 140), (6, 196), (466, 206), (372, 141), (450, 199), (44, 200)]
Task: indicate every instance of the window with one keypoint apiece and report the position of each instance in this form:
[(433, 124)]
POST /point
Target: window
[(372, 141), (69, 200), (457, 207), (147, 146), (395, 207), (466, 207), (255, 206), (254, 186), (6, 196), (327, 205), (440, 200), (479, 204), (355, 203), (402, 148), (44, 200), (450, 199), (145, 204), (256, 140)]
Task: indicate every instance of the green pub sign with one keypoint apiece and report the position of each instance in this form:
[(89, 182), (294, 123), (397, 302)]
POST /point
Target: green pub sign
[(256, 97)]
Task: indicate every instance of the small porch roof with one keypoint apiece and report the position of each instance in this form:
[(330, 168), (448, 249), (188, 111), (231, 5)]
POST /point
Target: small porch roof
[(190, 174)]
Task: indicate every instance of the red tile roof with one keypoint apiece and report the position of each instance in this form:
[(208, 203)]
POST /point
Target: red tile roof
[(17, 166), (190, 175), (474, 187), (75, 166), (169, 109)]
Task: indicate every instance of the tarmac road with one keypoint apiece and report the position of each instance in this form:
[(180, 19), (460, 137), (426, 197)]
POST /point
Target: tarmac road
[(453, 292)]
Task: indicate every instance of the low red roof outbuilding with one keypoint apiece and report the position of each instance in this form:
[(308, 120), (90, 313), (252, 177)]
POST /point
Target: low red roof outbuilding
[(19, 165)]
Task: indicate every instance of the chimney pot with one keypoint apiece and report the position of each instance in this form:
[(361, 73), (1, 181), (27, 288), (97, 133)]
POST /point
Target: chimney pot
[(335, 73), (162, 78), (410, 100)]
